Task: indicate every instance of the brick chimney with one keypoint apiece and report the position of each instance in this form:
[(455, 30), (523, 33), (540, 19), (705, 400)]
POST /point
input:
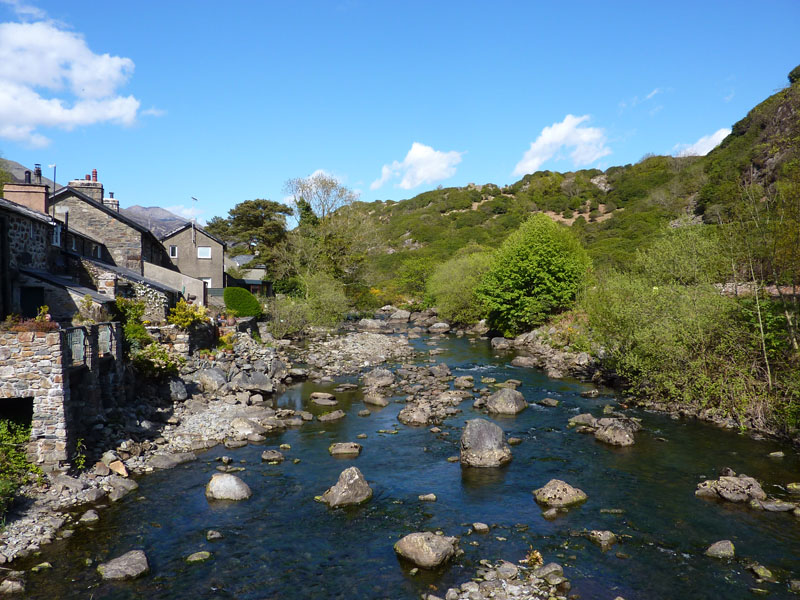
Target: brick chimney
[(89, 186), (34, 195)]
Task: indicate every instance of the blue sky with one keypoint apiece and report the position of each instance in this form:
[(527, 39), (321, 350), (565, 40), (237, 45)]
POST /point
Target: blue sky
[(226, 101)]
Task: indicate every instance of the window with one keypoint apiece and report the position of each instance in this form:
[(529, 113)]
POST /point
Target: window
[(57, 235), (204, 252), (173, 252), (74, 244)]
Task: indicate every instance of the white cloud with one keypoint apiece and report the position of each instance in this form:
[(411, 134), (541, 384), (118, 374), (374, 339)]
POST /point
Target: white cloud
[(24, 10), (702, 146), (50, 78), (588, 144), (421, 165), (653, 93), (187, 212), (153, 112)]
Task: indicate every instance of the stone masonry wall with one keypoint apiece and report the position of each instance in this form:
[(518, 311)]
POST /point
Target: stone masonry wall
[(123, 242), (31, 366), (28, 242)]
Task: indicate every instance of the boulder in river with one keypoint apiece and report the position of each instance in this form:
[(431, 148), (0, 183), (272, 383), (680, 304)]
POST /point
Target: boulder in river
[(483, 444), (721, 549), (170, 461), (506, 401), (345, 449), (614, 434), (426, 549), (323, 399), (732, 488), (128, 566), (272, 456), (415, 415), (558, 494), (224, 486), (351, 488), (439, 327), (375, 398), (603, 538), (378, 378), (332, 416)]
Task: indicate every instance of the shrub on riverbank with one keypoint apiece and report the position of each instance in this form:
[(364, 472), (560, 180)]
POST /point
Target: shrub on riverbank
[(242, 303), (537, 271), (452, 285), (14, 465)]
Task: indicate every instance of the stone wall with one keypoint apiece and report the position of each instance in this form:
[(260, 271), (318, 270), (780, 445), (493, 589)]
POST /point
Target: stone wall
[(65, 400), (122, 241), (31, 366), (29, 242), (184, 342)]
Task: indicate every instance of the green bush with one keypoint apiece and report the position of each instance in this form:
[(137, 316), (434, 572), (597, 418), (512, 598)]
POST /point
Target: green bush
[(286, 316), (130, 313), (537, 271), (327, 303), (14, 465), (794, 74), (452, 285), (241, 303), (185, 315), (155, 362)]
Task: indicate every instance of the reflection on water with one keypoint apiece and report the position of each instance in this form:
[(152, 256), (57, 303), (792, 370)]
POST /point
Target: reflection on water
[(283, 544)]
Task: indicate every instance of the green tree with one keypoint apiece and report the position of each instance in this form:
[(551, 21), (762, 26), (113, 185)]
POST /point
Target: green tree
[(261, 224), (452, 285), (537, 271)]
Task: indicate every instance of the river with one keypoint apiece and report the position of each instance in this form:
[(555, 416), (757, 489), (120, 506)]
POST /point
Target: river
[(282, 544)]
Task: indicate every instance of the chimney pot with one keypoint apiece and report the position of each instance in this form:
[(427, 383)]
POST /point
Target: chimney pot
[(87, 178), (27, 176), (111, 194), (94, 174)]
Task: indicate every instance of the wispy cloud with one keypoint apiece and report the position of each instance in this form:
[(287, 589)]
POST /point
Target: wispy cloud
[(188, 212), (730, 96), (153, 112), (702, 146), (50, 78), (587, 143), (652, 94), (25, 10), (637, 100), (421, 165)]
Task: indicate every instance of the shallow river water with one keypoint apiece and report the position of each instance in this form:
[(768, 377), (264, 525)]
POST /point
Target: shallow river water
[(282, 544)]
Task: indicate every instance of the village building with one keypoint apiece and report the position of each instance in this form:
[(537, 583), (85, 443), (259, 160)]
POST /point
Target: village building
[(197, 253)]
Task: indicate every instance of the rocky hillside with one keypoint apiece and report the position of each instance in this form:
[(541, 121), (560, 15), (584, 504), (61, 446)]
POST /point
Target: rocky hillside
[(615, 212)]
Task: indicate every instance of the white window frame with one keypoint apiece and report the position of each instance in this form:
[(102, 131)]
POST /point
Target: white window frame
[(199, 248), (206, 280), (74, 243), (57, 235), (173, 251)]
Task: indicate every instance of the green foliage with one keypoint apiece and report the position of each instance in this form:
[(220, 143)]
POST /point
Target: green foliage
[(130, 313), (327, 303), (186, 315), (286, 316), (155, 362), (241, 303), (259, 224), (79, 458), (452, 285), (412, 274), (794, 74), (537, 271), (14, 465)]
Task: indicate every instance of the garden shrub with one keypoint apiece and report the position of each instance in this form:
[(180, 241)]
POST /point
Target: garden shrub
[(286, 316), (537, 271), (130, 313), (326, 302), (14, 465), (185, 315), (155, 362), (241, 302)]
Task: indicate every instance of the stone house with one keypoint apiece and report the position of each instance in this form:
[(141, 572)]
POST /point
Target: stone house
[(197, 253)]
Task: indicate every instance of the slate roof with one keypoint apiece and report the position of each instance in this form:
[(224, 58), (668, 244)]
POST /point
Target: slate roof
[(177, 230), (67, 284)]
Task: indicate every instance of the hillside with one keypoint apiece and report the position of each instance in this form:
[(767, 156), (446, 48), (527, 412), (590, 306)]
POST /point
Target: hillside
[(17, 172), (159, 220), (615, 212)]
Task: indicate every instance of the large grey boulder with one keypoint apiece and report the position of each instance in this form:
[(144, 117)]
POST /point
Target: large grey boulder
[(506, 401), (251, 381), (345, 449), (170, 461), (224, 486), (615, 434), (211, 379), (177, 390), (415, 415), (559, 494), (375, 398), (351, 488), (244, 427), (400, 316), (378, 378), (332, 416), (721, 549), (439, 327), (426, 549), (323, 399), (731, 488), (128, 566), (370, 324), (440, 371), (120, 487), (483, 444)]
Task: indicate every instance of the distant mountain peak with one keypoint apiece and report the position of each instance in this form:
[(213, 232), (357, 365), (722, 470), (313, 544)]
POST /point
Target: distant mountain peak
[(158, 220)]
